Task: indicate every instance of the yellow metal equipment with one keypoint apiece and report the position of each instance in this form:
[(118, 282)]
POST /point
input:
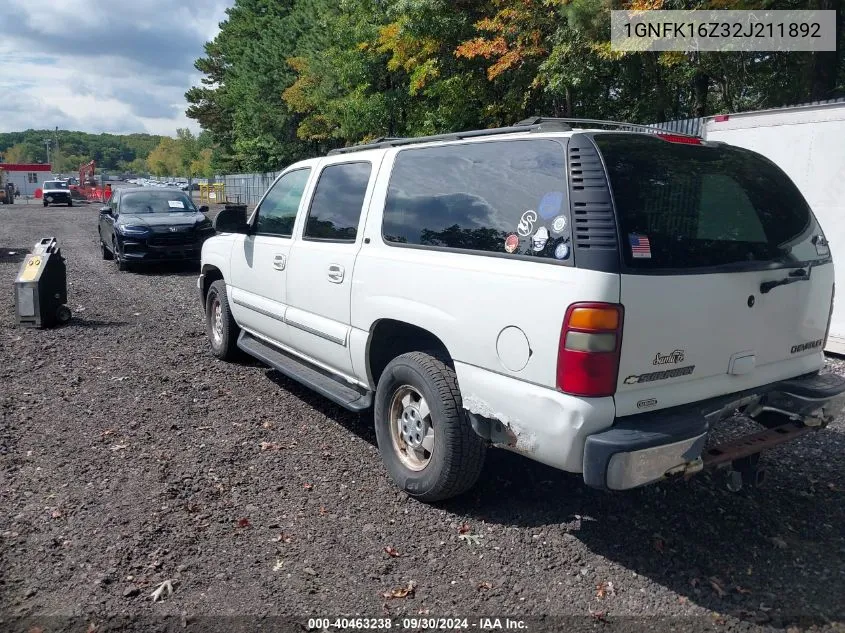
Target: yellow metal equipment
[(214, 193)]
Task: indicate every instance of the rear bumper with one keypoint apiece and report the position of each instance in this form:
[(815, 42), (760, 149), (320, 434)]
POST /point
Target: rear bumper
[(644, 448)]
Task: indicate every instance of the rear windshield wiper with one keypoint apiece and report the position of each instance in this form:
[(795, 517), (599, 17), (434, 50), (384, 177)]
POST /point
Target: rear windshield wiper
[(802, 274)]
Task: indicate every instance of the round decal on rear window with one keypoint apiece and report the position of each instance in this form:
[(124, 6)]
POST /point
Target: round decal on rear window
[(562, 251), (511, 243), (550, 204)]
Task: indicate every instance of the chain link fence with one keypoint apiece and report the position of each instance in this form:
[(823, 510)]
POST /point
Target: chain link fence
[(246, 188)]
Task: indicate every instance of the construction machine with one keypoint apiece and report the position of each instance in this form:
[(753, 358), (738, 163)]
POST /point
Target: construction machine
[(7, 189)]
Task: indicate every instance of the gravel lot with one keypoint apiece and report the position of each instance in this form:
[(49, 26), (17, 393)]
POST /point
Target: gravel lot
[(130, 456)]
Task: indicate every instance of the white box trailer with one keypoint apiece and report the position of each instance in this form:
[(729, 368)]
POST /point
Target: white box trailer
[(808, 143)]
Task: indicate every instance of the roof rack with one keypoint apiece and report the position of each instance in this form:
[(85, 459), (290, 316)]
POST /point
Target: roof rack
[(629, 127), (414, 140), (533, 124)]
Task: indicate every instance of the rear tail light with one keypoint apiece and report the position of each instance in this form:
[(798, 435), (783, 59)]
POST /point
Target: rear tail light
[(681, 138), (588, 354)]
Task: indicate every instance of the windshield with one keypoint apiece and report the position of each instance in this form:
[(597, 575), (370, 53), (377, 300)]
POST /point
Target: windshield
[(55, 184), (156, 202), (692, 206)]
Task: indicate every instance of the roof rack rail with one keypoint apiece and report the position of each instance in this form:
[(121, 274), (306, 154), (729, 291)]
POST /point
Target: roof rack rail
[(550, 125), (533, 124), (633, 127)]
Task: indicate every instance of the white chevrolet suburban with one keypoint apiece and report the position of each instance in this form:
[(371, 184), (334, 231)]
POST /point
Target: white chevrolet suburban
[(592, 295)]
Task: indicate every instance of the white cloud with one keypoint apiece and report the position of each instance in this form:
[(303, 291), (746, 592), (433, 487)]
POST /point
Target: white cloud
[(101, 65)]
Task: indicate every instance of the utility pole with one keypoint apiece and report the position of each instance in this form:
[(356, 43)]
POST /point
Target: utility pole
[(47, 143)]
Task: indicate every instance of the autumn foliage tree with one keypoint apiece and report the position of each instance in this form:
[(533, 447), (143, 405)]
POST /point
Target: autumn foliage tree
[(286, 79)]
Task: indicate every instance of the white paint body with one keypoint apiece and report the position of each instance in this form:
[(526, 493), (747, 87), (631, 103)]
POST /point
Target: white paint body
[(500, 319), (808, 143)]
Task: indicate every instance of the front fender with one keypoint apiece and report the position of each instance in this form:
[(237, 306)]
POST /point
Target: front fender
[(216, 253)]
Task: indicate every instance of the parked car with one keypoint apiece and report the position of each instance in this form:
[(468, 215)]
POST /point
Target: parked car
[(141, 225), (56, 192), (594, 299)]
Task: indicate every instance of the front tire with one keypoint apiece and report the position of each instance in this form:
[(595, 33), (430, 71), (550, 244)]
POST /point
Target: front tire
[(424, 437), (220, 324), (122, 265), (45, 203), (107, 254), (70, 203)]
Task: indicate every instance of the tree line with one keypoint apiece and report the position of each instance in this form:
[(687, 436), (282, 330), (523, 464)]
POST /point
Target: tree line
[(69, 149), (186, 155), (285, 79)]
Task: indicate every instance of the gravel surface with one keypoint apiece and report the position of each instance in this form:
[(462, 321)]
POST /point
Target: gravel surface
[(129, 456)]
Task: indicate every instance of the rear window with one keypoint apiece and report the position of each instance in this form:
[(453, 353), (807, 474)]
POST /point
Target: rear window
[(689, 206), (503, 197)]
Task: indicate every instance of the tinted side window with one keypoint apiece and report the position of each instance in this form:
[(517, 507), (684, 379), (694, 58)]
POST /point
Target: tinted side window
[(338, 201), (277, 212), (505, 197)]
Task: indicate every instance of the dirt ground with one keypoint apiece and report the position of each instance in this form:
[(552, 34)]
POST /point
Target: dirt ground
[(129, 456)]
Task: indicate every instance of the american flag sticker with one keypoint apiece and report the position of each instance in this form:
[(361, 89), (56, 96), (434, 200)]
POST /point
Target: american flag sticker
[(640, 246)]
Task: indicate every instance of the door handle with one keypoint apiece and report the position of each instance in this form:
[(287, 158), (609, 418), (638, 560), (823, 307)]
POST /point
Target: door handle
[(279, 262), (336, 272)]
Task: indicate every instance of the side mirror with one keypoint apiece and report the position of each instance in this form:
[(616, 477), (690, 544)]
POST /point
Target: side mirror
[(105, 210), (231, 220), (203, 209)]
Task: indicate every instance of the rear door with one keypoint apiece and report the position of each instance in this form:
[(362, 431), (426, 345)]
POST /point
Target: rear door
[(726, 279)]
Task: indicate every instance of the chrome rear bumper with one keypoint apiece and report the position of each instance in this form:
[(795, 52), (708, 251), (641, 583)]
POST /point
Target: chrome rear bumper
[(645, 448)]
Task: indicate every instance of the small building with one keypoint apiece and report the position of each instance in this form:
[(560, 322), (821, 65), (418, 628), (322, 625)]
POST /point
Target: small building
[(27, 177)]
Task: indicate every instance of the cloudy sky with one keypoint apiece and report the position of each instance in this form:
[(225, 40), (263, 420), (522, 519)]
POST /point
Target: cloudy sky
[(101, 65)]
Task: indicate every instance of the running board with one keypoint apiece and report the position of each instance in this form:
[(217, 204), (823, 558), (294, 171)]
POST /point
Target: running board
[(321, 381)]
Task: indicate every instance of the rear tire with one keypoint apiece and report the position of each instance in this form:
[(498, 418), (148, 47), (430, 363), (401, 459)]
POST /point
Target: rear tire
[(220, 324), (419, 389)]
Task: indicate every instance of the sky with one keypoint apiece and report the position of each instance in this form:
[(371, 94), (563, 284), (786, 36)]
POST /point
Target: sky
[(117, 66)]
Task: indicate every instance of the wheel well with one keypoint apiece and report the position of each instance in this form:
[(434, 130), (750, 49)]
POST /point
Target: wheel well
[(212, 274), (393, 338)]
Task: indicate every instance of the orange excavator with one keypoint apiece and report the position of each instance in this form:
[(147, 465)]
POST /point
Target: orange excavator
[(88, 186)]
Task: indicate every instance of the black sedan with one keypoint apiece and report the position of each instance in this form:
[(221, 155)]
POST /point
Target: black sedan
[(142, 225)]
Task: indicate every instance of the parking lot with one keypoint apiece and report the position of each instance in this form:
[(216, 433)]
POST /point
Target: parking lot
[(130, 456)]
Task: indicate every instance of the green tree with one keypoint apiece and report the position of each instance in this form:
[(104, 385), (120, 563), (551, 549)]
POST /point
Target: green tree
[(284, 79), (19, 153)]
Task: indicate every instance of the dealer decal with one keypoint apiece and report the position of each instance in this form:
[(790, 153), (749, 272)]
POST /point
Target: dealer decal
[(803, 347), (659, 375)]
